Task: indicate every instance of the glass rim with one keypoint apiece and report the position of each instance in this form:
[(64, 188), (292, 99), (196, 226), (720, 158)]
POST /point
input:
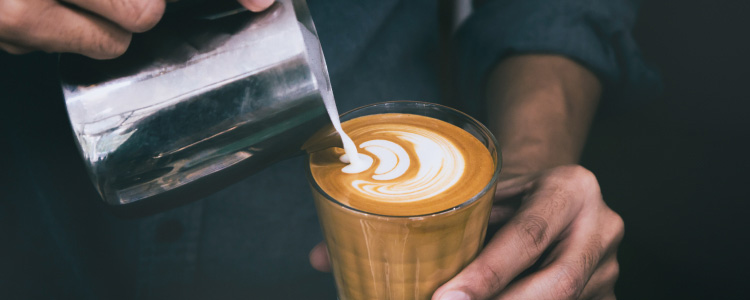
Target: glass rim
[(483, 129)]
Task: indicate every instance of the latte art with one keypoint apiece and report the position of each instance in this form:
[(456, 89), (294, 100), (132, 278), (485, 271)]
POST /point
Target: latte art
[(438, 162), (394, 161), (416, 165)]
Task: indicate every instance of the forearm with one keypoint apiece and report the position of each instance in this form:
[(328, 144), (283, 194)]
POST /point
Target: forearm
[(540, 108)]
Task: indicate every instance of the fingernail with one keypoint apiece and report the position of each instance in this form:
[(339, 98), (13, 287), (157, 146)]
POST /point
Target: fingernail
[(454, 295)]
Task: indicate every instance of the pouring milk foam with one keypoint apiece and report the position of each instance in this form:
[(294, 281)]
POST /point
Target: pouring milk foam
[(359, 163)]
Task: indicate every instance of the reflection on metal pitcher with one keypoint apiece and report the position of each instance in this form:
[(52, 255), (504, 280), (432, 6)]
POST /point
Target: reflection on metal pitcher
[(191, 99)]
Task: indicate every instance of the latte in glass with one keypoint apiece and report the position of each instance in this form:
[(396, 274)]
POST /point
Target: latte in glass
[(418, 214)]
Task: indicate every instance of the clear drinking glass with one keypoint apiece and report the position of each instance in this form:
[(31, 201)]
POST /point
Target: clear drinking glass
[(405, 257)]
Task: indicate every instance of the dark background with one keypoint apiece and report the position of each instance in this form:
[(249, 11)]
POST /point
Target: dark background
[(676, 169)]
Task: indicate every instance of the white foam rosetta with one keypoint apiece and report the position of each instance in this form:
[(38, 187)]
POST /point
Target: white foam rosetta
[(440, 165)]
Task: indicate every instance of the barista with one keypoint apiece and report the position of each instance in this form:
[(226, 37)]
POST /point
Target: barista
[(559, 240)]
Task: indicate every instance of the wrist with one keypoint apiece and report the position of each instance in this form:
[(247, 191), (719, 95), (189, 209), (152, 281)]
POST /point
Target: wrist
[(540, 109)]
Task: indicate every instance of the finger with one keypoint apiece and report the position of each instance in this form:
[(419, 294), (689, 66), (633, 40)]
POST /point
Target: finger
[(132, 15), (602, 282), (256, 5), (56, 28), (593, 236), (319, 259), (543, 215), (563, 278), (13, 49)]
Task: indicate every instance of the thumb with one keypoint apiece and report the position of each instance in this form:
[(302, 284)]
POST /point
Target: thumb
[(319, 258)]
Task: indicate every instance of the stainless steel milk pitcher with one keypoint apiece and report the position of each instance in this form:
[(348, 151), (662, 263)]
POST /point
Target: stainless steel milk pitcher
[(196, 103)]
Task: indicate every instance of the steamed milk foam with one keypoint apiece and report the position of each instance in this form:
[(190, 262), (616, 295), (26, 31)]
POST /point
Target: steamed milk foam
[(410, 165)]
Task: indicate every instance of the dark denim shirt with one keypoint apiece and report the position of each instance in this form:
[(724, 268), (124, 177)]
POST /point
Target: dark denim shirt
[(251, 240)]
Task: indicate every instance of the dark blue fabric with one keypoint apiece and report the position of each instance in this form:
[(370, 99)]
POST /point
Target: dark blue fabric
[(252, 239), (595, 33)]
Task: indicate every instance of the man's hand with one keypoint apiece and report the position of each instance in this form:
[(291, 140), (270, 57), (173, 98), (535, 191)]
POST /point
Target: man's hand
[(559, 238), (95, 28), (559, 241)]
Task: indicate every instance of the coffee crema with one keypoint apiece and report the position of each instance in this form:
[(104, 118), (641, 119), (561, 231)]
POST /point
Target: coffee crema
[(419, 165)]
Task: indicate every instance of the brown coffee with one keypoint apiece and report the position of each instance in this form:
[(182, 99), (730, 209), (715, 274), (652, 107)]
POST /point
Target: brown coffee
[(403, 227)]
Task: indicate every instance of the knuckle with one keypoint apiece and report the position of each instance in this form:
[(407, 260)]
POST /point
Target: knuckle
[(612, 271), (591, 256), (489, 278), (579, 175), (117, 49), (108, 49), (142, 15), (559, 199), (612, 229), (615, 272), (585, 177), (533, 231), (618, 227), (569, 284)]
